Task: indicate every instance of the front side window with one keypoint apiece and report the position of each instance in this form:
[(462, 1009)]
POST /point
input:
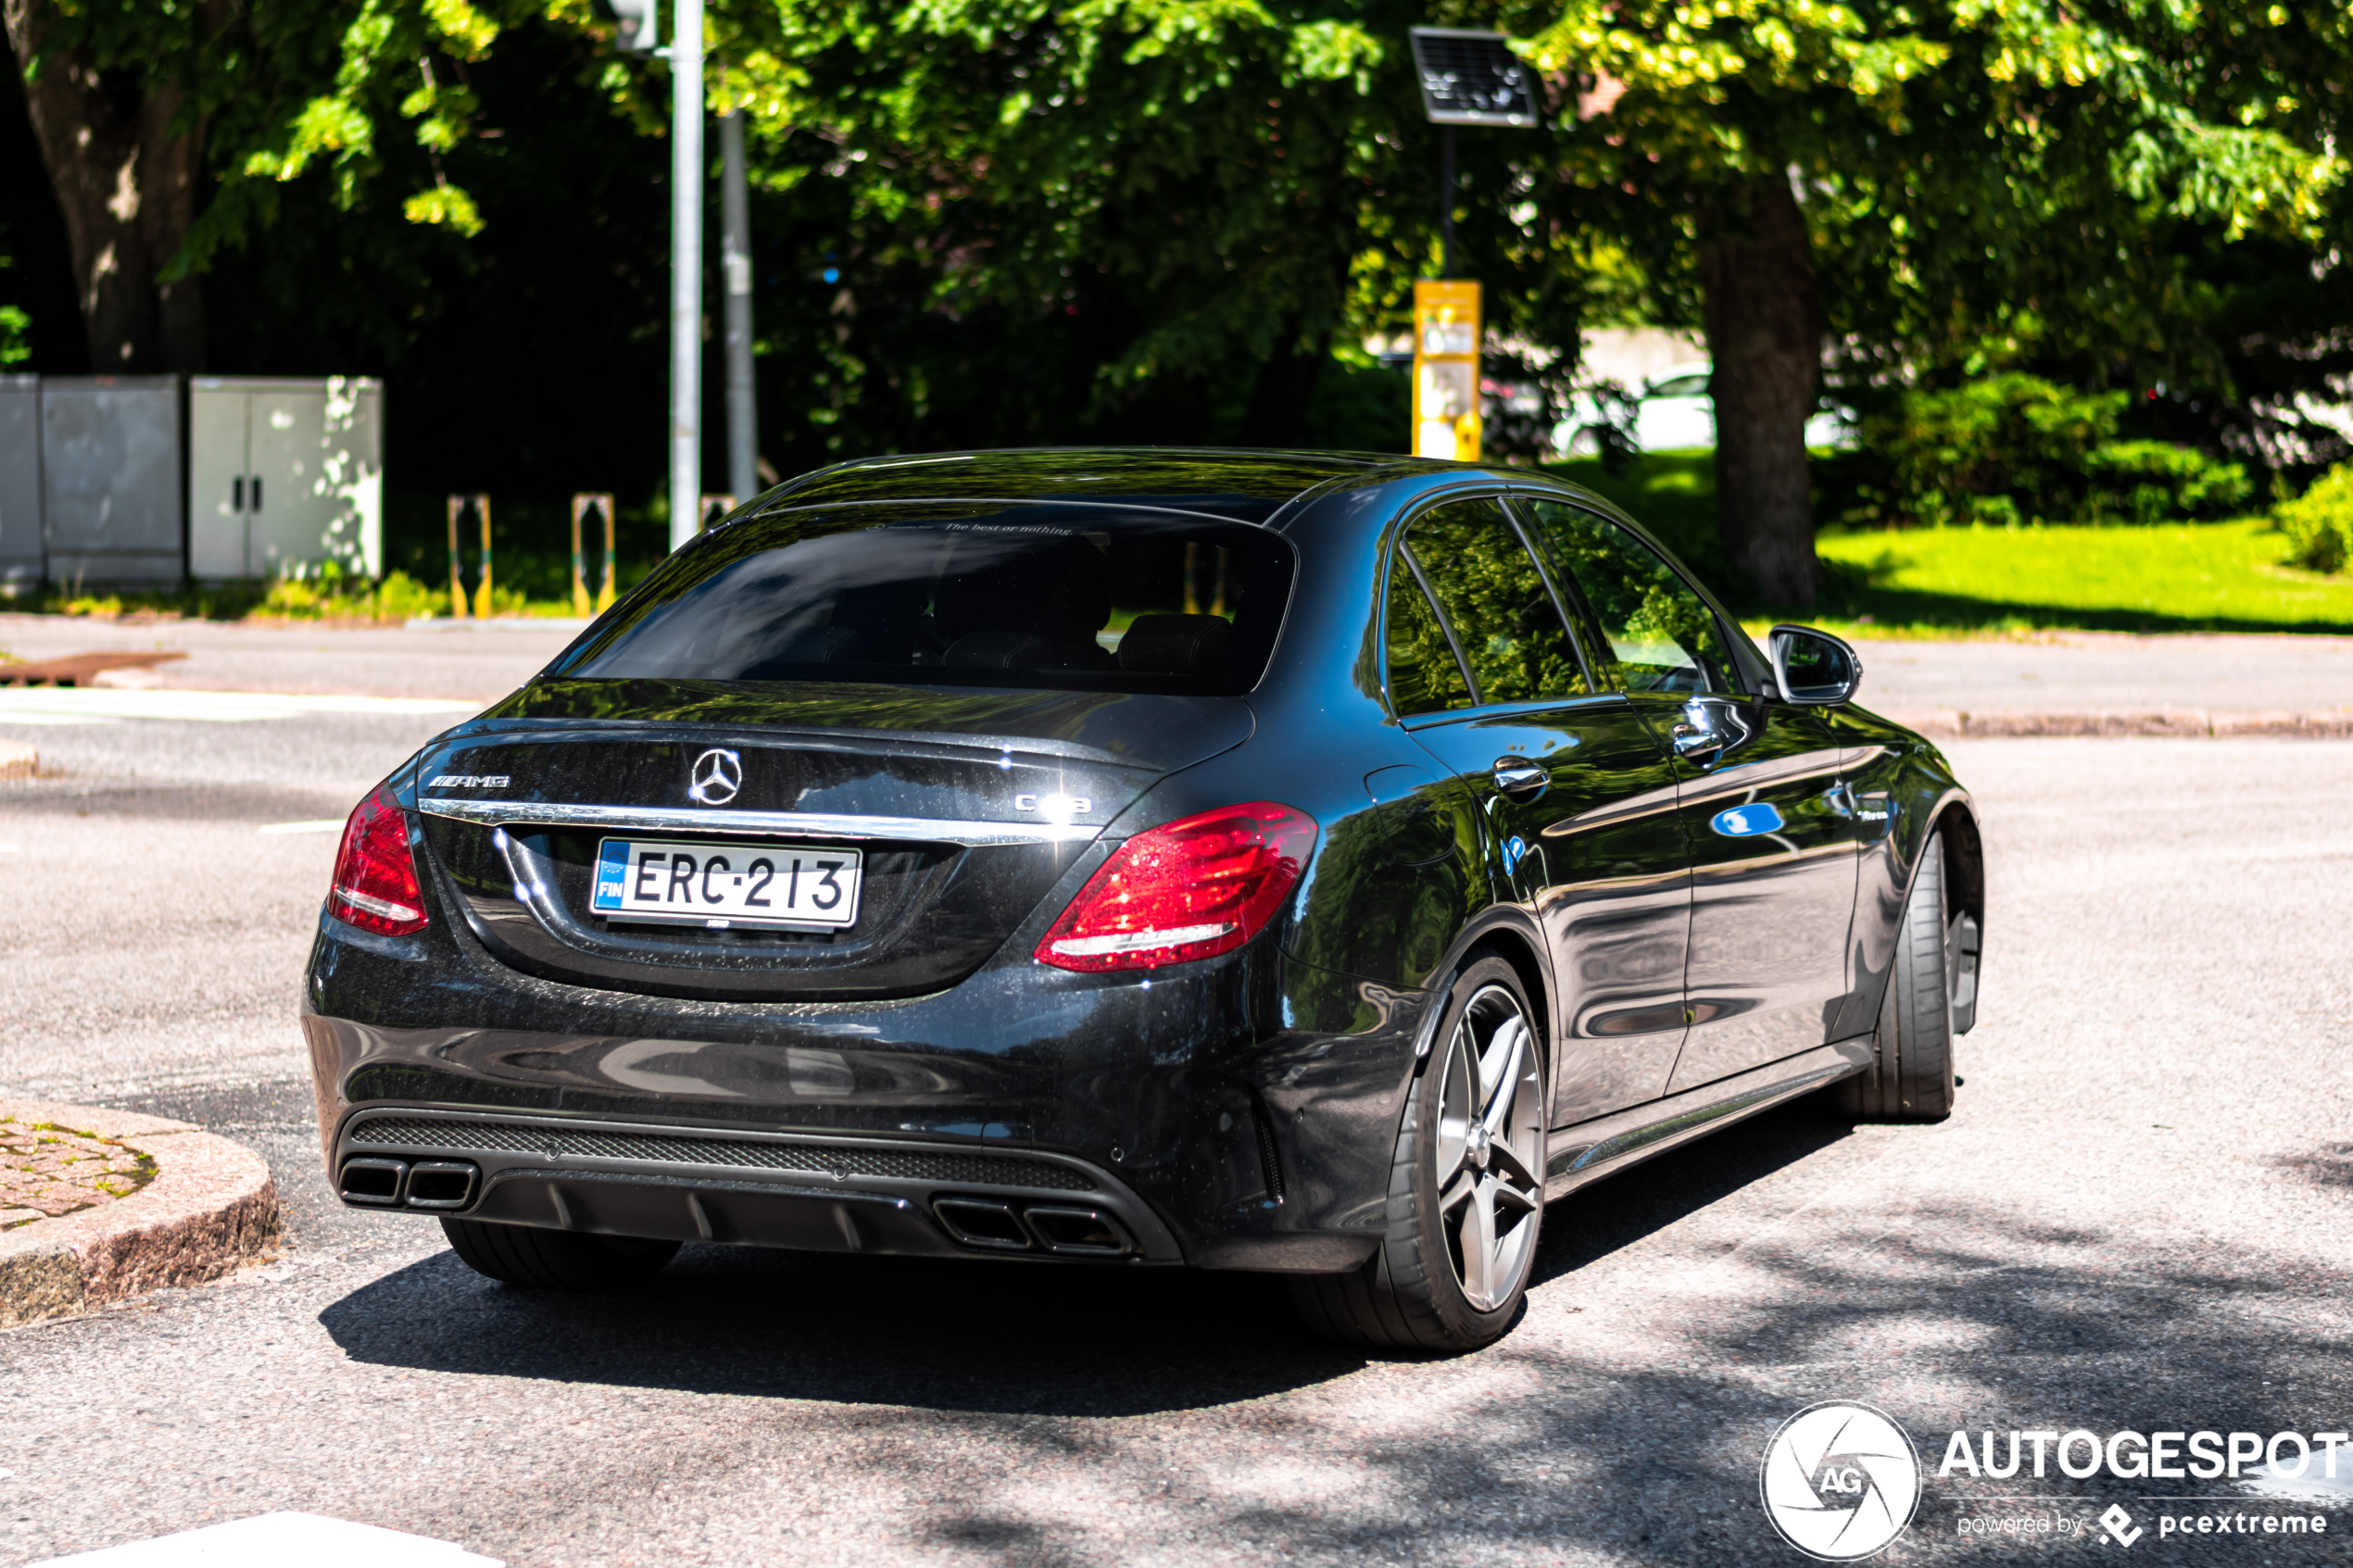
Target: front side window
[(1080, 596), (1660, 635), (1494, 597)]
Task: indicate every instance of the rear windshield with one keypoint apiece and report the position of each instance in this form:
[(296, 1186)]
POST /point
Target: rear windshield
[(1082, 597)]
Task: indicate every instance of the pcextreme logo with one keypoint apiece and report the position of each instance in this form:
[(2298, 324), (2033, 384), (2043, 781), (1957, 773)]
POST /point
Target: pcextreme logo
[(1840, 1480)]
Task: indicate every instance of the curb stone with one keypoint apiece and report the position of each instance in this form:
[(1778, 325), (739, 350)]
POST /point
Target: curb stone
[(1949, 724), (210, 1207), (17, 761)]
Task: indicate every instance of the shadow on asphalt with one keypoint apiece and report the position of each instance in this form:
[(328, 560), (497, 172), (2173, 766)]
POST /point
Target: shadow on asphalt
[(983, 1334)]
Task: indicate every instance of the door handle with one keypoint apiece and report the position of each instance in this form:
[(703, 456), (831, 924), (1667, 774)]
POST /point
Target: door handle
[(1518, 779), (1694, 744)]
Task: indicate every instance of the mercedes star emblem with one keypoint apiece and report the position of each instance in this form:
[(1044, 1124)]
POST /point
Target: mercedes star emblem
[(716, 778)]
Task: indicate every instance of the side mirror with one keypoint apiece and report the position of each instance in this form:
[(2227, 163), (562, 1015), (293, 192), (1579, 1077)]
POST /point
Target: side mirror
[(1814, 669)]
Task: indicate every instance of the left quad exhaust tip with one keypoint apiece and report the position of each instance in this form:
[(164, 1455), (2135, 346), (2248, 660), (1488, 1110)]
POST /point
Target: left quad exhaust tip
[(395, 1184), (377, 1183)]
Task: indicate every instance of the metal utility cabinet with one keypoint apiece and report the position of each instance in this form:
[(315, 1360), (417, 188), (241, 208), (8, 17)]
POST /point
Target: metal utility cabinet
[(19, 482), (285, 475), (111, 480)]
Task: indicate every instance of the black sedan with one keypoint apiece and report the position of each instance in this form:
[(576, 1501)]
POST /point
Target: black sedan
[(1313, 864)]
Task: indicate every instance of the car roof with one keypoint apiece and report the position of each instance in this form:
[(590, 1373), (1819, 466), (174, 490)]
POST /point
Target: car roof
[(1249, 485)]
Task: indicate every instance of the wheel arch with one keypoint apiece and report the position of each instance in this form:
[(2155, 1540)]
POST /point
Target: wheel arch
[(1508, 935)]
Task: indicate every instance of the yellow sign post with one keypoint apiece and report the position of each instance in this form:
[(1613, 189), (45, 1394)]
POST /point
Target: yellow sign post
[(1446, 328)]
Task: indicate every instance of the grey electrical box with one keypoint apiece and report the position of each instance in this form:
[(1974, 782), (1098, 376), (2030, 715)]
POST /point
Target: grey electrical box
[(19, 482), (285, 475), (110, 481)]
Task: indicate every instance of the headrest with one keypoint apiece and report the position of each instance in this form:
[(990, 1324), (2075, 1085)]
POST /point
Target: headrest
[(1175, 645)]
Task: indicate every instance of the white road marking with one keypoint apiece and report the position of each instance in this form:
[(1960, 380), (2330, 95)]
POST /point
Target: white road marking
[(104, 705), (319, 824), (281, 1540)]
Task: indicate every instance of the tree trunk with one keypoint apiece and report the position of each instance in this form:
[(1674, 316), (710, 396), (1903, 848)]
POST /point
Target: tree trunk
[(128, 186), (1765, 339)]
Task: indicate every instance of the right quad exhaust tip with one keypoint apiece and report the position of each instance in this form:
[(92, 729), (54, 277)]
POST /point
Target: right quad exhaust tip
[(1067, 1229)]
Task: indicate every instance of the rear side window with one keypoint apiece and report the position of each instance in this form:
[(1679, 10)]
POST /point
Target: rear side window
[(1080, 596), (1660, 636), (1496, 600), (1424, 674)]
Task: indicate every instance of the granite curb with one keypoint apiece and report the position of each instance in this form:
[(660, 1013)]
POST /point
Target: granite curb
[(1950, 724), (211, 1208)]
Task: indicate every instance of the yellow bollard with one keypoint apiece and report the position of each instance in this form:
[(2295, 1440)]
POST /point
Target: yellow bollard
[(457, 563), (612, 557), (580, 600), (482, 589)]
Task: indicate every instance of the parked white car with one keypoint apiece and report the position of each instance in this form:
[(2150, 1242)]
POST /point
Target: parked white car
[(1675, 414)]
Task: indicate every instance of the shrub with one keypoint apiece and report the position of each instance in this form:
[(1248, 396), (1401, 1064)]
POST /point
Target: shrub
[(2015, 448), (2318, 523)]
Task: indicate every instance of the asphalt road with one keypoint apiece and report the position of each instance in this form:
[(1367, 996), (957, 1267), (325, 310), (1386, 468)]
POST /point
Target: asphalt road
[(2137, 1219)]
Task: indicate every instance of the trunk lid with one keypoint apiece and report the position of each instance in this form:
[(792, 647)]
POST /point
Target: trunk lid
[(966, 804)]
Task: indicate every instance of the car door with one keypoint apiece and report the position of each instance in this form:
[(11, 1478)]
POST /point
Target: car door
[(1576, 796), (1758, 790)]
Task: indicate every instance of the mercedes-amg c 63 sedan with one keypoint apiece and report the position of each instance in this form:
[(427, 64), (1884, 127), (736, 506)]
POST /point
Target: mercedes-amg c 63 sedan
[(1313, 864)]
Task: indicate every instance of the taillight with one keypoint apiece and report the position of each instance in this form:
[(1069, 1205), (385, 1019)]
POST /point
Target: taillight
[(376, 887), (1192, 888)]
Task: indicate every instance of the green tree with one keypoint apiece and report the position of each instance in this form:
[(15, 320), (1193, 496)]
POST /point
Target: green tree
[(1965, 168), (165, 126)]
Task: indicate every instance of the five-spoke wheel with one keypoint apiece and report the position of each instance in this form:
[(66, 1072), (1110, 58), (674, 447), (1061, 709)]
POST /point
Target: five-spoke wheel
[(1466, 1189)]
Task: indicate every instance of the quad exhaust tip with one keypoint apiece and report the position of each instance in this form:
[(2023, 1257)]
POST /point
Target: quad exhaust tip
[(400, 1183), (994, 1225)]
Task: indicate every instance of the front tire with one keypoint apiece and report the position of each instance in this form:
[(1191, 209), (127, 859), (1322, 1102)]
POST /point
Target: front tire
[(1910, 1078), (543, 1260), (1467, 1187)]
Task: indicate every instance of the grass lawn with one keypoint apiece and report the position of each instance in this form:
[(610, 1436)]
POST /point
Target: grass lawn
[(1976, 582)]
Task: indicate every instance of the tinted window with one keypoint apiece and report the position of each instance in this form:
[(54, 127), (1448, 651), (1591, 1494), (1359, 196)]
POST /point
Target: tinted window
[(1424, 676), (1495, 598), (1087, 597), (1661, 636)]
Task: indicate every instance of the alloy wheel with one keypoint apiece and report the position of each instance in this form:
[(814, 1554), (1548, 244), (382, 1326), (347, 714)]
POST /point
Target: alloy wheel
[(1491, 1148)]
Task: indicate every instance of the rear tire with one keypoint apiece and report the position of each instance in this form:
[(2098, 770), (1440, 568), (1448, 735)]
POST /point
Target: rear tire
[(543, 1260), (1910, 1078), (1467, 1187)]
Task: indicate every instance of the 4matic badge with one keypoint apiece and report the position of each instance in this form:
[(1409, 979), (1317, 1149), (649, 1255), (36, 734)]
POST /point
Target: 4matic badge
[(1840, 1480)]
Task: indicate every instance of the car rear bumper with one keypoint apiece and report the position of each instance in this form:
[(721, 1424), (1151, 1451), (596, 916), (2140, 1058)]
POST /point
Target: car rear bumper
[(1054, 1116), (826, 1194)]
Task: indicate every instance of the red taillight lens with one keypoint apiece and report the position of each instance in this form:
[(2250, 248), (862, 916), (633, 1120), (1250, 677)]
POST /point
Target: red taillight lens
[(376, 887), (1189, 889)]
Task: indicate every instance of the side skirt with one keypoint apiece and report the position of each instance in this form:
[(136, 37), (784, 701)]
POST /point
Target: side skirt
[(1607, 1144)]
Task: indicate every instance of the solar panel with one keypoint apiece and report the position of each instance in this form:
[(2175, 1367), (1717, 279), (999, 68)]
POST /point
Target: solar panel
[(1471, 78)]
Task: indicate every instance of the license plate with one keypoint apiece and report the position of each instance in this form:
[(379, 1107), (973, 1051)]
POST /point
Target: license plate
[(724, 885)]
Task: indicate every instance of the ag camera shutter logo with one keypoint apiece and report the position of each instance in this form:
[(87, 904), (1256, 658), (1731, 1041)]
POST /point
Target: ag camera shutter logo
[(1840, 1480)]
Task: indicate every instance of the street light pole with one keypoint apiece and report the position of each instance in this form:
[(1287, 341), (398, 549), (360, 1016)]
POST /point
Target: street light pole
[(735, 254), (685, 272)]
